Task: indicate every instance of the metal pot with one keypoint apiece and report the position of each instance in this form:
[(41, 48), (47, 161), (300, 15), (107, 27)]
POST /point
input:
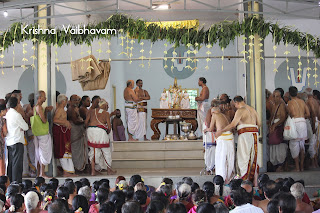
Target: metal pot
[(192, 136), (185, 127)]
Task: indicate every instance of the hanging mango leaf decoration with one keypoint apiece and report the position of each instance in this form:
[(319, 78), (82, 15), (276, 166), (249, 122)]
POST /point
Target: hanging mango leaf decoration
[(222, 33)]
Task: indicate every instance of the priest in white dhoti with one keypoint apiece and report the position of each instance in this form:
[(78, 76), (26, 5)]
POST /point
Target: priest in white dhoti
[(247, 122), (132, 118), (209, 144), (42, 142), (298, 111), (314, 145), (224, 151), (98, 134), (203, 102), (142, 110), (277, 152)]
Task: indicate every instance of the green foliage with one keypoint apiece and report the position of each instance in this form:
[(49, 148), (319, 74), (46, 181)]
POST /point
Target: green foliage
[(223, 33)]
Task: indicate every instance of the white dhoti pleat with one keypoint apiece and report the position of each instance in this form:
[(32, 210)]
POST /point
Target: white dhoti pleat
[(131, 118), (99, 147), (67, 163), (203, 107), (297, 145), (278, 153), (247, 151), (313, 146), (314, 141), (43, 149), (142, 124), (224, 158), (103, 158), (209, 158), (210, 149)]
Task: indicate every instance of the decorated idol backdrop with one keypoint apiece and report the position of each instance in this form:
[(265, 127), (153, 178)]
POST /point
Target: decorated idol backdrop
[(161, 73)]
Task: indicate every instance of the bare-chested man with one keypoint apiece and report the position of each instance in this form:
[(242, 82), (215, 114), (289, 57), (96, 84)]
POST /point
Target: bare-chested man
[(313, 106), (299, 111), (269, 103), (278, 153), (61, 137), (42, 143), (131, 100), (99, 127), (298, 192), (224, 157), (203, 103), (226, 107), (142, 110), (118, 128), (84, 104), (79, 146), (247, 122), (269, 189)]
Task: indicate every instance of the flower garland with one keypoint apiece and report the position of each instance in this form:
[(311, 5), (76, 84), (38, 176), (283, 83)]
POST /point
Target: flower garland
[(222, 33)]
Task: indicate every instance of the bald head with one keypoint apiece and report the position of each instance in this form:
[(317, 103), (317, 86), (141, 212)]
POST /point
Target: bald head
[(130, 83), (75, 100), (308, 91), (73, 97)]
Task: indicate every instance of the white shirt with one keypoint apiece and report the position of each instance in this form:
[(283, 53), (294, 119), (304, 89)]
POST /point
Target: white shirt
[(247, 208), (15, 125)]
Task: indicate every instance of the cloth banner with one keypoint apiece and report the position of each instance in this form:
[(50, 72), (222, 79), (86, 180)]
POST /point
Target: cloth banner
[(89, 73)]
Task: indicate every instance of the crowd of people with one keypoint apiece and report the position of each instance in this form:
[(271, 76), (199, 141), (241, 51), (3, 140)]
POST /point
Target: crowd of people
[(304, 110), (287, 113), (81, 135), (134, 196)]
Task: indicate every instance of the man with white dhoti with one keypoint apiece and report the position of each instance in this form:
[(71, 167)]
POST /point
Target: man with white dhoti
[(132, 118), (42, 143), (203, 102), (298, 111), (142, 110), (247, 121), (209, 144), (224, 156), (278, 152), (99, 127), (313, 106)]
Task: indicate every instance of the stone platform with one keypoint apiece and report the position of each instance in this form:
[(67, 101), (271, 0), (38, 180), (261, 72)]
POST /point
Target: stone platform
[(157, 154)]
